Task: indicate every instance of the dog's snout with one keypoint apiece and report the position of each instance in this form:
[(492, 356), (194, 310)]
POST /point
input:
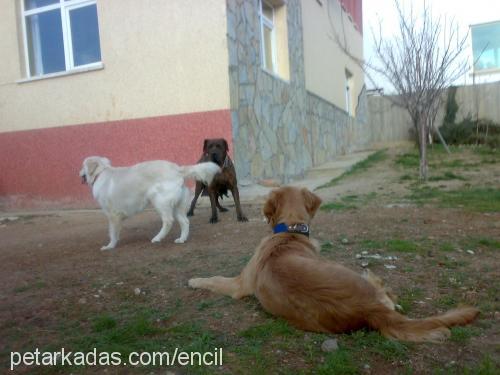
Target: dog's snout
[(84, 179)]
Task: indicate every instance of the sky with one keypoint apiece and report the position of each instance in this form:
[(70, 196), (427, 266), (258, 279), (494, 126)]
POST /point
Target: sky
[(464, 13)]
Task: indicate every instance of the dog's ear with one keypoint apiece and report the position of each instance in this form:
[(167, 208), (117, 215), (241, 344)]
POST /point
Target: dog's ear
[(311, 202), (226, 147), (205, 144), (92, 166), (271, 206)]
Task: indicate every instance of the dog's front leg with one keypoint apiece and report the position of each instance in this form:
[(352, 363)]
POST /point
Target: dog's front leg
[(213, 200), (235, 287), (236, 198), (115, 225)]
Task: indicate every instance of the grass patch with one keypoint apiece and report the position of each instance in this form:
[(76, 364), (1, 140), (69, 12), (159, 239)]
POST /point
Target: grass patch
[(359, 167), (273, 327), (349, 202), (446, 247), (482, 242), (402, 246), (463, 334), (446, 176), (408, 160), (33, 286), (407, 297), (327, 247), (472, 199), (340, 362)]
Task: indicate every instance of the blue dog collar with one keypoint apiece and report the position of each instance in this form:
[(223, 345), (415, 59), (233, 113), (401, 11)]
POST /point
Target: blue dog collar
[(300, 228)]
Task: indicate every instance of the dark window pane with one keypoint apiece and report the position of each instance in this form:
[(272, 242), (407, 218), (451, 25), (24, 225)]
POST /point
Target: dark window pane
[(45, 43), (31, 4), (85, 35)]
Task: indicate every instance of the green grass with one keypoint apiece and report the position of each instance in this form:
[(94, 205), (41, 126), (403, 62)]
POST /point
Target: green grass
[(349, 202), (327, 247), (402, 246), (407, 297), (408, 160), (30, 287), (482, 242), (463, 334), (340, 362), (359, 167), (446, 176), (481, 199), (446, 247)]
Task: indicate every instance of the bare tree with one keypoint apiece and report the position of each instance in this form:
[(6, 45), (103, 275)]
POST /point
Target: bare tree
[(420, 62)]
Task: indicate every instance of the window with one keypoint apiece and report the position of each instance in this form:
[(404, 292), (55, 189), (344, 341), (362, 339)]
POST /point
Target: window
[(274, 37), (486, 46), (348, 93), (268, 37), (60, 35)]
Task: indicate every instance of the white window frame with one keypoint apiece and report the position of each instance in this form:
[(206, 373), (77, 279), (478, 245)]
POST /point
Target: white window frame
[(269, 23), (65, 6), (348, 93)]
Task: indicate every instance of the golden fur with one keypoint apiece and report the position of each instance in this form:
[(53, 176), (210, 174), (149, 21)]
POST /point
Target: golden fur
[(291, 280)]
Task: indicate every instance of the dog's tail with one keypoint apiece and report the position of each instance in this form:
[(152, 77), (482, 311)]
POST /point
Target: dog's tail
[(203, 172), (434, 329)]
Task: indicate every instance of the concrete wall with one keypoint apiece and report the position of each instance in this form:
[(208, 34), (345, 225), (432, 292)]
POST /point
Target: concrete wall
[(389, 123), (160, 58), (482, 100), (279, 128), (324, 61)]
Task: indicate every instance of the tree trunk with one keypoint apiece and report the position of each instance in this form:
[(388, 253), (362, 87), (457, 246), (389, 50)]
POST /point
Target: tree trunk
[(423, 150)]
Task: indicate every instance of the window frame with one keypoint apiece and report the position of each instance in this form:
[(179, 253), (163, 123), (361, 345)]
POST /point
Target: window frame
[(270, 24), (65, 7)]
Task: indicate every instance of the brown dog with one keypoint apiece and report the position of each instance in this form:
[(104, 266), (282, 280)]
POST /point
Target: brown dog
[(216, 150), (291, 280)]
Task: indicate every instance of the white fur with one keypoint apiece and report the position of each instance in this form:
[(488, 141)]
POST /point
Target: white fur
[(124, 191)]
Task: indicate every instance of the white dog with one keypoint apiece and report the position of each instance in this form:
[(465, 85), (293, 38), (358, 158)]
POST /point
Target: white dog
[(124, 191)]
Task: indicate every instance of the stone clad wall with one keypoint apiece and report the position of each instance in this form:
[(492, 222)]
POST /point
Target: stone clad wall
[(279, 129)]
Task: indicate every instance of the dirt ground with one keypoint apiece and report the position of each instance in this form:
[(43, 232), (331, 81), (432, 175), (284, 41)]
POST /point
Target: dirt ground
[(57, 289)]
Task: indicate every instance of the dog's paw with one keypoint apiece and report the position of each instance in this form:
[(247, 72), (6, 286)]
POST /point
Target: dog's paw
[(242, 218), (223, 209), (214, 219), (180, 240), (156, 239), (190, 213), (107, 247), (195, 283)]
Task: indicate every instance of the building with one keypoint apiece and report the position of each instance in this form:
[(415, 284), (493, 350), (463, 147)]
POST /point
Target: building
[(135, 81), (485, 42)]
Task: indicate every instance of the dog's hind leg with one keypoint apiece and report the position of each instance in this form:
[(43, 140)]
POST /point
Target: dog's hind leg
[(180, 216), (221, 209), (167, 221), (197, 192), (115, 225)]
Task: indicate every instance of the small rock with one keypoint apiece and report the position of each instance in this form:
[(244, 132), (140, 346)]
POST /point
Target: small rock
[(119, 283), (418, 257), (366, 366), (137, 291), (345, 241), (329, 345), (13, 218), (96, 295), (496, 315), (364, 252), (364, 264), (390, 266), (470, 252), (82, 301)]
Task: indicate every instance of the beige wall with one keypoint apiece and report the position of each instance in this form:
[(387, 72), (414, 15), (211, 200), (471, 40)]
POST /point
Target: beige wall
[(325, 63), (160, 58)]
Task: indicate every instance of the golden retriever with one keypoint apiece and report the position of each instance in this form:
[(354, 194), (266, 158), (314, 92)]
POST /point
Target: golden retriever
[(291, 280), (124, 191)]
